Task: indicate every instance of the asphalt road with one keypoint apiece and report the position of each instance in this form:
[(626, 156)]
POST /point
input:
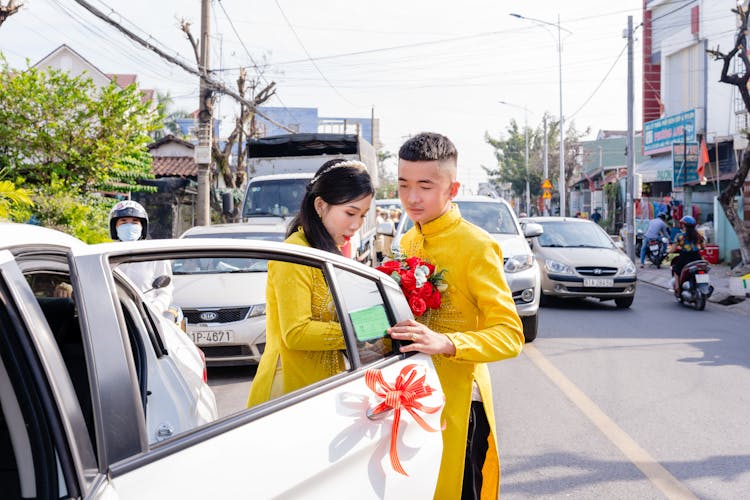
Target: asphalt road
[(650, 402), (647, 402)]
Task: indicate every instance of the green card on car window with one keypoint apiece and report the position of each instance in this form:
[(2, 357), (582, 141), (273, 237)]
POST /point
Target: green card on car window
[(370, 323)]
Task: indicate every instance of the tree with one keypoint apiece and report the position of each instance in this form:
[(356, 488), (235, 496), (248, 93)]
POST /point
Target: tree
[(68, 141), (8, 10), (222, 155), (510, 152), (726, 198), (171, 116), (55, 127), (387, 185)]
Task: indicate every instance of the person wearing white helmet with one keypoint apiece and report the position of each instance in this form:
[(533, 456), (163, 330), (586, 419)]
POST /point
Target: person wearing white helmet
[(128, 221)]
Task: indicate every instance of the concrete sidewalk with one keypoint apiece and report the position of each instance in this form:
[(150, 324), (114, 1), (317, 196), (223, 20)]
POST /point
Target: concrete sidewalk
[(719, 280)]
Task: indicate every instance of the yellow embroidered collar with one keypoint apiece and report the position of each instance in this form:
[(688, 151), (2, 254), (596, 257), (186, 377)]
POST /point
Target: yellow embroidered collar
[(449, 219)]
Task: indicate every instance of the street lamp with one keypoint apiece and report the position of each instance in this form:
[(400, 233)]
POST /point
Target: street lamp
[(526, 137), (561, 181)]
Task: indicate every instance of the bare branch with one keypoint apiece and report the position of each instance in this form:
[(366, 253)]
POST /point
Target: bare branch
[(210, 82), (185, 27), (8, 10)]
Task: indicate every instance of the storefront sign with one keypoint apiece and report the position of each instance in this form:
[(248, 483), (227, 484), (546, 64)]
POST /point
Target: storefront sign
[(658, 135), (685, 163)]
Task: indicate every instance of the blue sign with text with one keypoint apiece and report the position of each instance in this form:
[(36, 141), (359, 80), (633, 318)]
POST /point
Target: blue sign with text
[(658, 135)]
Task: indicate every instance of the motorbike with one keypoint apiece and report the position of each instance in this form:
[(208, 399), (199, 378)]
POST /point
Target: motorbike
[(694, 285), (656, 250)]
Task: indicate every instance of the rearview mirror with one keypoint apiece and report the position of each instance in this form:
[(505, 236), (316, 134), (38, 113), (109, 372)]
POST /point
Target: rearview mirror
[(532, 230)]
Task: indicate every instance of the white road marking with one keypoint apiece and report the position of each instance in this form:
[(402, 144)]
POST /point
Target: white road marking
[(655, 472)]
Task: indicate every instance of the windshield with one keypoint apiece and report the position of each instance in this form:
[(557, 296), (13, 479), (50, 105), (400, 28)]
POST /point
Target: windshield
[(276, 197), (208, 265), (492, 217), (573, 235)]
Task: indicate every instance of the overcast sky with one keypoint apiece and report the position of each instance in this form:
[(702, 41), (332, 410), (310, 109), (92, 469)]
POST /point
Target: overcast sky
[(421, 64)]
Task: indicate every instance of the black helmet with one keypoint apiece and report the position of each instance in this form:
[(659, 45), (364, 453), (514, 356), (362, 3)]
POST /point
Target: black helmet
[(128, 208), (663, 215)]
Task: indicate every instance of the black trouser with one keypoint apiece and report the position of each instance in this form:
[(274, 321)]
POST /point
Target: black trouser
[(476, 451)]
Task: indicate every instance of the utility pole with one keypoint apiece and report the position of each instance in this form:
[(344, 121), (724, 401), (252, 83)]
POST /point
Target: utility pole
[(546, 163), (630, 181), (205, 126), (562, 181)]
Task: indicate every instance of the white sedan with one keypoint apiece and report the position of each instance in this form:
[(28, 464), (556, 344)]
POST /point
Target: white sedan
[(329, 440)]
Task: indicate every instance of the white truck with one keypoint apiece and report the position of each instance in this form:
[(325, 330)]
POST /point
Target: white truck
[(281, 167)]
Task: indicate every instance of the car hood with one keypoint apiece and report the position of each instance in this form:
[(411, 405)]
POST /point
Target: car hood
[(577, 257), (220, 290), (512, 244)]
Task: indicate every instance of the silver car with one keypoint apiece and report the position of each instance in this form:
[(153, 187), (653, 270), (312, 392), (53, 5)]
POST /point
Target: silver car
[(579, 259), (229, 322), (495, 216)]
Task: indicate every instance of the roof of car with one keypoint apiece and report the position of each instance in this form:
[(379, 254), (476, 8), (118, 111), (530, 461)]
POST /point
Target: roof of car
[(271, 225), (541, 219), (271, 177), (14, 234), (477, 197)]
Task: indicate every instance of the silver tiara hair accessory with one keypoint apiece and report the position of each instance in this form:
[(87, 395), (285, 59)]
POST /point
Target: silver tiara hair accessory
[(347, 163)]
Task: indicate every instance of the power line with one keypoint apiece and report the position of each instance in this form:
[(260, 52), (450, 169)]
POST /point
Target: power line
[(309, 57), (600, 83)]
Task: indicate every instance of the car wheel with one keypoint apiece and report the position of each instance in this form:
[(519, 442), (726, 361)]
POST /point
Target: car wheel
[(624, 302), (530, 325)]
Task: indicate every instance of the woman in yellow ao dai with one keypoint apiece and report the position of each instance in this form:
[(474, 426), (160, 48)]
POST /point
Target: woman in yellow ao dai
[(304, 340)]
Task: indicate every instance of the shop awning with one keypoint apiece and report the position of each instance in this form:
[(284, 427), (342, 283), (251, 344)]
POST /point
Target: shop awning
[(656, 169)]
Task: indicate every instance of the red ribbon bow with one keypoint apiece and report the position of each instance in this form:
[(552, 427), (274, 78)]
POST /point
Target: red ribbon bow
[(403, 394)]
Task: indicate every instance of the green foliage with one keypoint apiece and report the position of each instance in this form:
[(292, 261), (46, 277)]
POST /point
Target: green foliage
[(387, 184), (13, 200), (54, 126), (84, 216), (510, 152)]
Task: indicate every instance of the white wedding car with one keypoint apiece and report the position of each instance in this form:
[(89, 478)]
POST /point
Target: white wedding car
[(76, 415)]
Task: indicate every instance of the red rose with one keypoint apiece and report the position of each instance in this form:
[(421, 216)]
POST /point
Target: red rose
[(408, 281), (425, 290), (389, 267), (417, 305), (434, 300), (414, 262), (430, 267)]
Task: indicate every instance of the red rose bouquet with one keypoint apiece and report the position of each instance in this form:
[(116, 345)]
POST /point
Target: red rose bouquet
[(419, 281)]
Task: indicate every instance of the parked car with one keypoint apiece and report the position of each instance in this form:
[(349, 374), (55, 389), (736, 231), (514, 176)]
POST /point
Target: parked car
[(579, 259), (75, 419), (229, 322), (495, 216)]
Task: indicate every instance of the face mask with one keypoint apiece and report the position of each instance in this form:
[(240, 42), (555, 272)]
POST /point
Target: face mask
[(129, 232)]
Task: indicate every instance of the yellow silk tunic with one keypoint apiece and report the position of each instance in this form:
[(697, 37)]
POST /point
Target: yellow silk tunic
[(302, 331), (479, 316)]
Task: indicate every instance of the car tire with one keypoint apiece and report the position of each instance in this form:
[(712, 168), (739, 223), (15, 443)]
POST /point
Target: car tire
[(530, 326), (624, 302)]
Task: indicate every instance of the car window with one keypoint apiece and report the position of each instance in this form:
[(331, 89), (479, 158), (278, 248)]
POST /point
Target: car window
[(33, 460), (280, 197), (492, 217), (573, 235), (368, 314), (54, 293)]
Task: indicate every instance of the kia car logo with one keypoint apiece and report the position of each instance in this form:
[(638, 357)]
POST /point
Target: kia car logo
[(209, 315), (596, 271)]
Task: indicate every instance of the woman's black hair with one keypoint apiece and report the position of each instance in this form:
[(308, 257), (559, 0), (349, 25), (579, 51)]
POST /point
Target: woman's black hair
[(692, 234), (337, 182)]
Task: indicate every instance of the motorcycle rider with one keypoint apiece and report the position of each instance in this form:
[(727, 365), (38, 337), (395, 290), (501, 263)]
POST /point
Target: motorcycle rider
[(656, 227), (688, 243), (128, 221)]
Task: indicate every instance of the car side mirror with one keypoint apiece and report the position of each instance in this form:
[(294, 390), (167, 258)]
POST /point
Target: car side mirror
[(386, 228), (161, 282), (532, 230)]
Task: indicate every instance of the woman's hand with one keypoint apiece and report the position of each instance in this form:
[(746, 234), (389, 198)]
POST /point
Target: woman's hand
[(422, 338)]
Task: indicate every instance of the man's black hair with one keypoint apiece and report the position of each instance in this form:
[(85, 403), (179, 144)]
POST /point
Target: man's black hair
[(428, 146)]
